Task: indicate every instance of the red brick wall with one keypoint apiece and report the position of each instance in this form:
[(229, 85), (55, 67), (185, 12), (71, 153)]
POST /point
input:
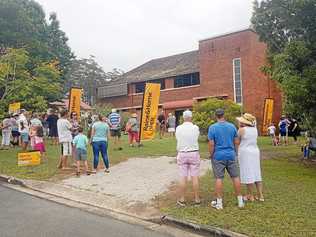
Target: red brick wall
[(216, 71), (216, 76), (165, 96)]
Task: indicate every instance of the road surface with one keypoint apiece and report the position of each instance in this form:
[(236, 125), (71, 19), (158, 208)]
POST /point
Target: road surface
[(28, 216)]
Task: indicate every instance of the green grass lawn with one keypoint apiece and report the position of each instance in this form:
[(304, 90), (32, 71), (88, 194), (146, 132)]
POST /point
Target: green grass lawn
[(289, 188), (8, 159), (290, 192)]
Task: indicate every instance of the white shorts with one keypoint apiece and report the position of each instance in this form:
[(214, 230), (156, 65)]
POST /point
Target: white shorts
[(66, 148), (6, 136), (171, 129)]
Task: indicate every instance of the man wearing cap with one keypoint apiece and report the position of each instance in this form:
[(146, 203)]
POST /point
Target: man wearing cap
[(188, 158), (223, 142), (115, 126)]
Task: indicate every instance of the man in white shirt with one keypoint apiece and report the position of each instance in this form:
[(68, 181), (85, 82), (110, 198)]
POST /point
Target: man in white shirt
[(65, 138), (188, 158)]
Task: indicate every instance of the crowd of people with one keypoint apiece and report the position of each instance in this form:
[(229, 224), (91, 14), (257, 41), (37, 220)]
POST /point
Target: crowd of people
[(29, 130), (287, 127), (231, 150)]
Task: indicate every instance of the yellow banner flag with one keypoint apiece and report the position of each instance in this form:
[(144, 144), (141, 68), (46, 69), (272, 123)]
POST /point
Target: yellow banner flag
[(29, 158), (268, 114), (150, 111), (14, 107), (75, 101)]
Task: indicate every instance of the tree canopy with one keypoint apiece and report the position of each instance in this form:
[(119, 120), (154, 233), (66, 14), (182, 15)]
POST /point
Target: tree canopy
[(23, 25), (88, 74), (32, 88), (288, 28)]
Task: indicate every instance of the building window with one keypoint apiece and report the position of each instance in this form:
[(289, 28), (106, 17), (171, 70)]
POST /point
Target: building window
[(187, 80), (140, 86), (237, 80)]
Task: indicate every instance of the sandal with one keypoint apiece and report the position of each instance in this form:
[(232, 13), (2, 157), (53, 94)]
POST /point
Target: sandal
[(247, 199), (259, 199), (197, 203), (181, 203)]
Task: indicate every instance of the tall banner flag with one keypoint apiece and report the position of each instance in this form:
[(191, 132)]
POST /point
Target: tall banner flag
[(149, 111), (75, 100), (268, 114), (14, 107)]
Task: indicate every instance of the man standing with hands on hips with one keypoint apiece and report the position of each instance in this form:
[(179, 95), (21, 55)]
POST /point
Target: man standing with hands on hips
[(223, 143)]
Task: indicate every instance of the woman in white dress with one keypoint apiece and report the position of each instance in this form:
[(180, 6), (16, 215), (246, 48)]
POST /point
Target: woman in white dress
[(249, 157)]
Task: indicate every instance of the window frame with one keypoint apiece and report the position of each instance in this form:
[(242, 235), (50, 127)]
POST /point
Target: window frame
[(178, 77), (240, 80)]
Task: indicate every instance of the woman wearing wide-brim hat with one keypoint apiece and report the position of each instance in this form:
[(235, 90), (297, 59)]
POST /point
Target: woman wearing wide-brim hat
[(249, 157)]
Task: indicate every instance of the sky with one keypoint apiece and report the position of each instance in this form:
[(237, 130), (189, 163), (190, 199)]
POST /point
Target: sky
[(126, 33)]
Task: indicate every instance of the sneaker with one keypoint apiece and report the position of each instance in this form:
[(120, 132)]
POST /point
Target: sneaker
[(218, 206), (107, 171), (241, 204)]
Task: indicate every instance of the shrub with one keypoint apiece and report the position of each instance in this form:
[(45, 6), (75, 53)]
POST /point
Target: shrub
[(204, 112)]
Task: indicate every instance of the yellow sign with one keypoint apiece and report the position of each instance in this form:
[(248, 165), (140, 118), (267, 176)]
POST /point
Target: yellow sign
[(29, 158), (75, 100), (14, 107), (268, 114), (150, 110)]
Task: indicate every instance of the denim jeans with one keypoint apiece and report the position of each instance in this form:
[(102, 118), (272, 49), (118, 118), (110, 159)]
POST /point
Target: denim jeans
[(97, 147)]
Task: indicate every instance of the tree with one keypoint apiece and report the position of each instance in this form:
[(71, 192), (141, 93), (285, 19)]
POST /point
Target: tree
[(23, 25), (88, 74), (204, 112), (33, 88), (288, 28)]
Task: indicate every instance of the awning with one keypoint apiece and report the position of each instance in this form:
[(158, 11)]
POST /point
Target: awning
[(178, 104), (65, 103)]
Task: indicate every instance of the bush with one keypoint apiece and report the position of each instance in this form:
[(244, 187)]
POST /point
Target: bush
[(204, 112), (103, 109)]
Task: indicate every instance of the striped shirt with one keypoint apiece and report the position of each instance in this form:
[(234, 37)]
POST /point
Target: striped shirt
[(114, 120)]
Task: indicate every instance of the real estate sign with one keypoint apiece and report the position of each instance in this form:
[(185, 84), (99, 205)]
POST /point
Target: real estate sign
[(75, 100), (30, 158), (14, 107), (268, 114), (150, 111)]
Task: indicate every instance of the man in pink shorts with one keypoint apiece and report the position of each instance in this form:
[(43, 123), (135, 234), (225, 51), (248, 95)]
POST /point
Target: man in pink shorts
[(188, 158)]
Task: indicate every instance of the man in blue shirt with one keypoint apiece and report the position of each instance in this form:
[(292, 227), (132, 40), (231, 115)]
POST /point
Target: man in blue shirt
[(223, 142), (115, 127)]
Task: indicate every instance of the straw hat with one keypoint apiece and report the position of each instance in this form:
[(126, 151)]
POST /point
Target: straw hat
[(247, 119), (134, 115)]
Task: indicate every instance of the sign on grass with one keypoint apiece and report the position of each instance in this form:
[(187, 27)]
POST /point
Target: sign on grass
[(30, 158)]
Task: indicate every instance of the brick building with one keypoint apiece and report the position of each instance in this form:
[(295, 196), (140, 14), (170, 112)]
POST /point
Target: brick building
[(225, 66)]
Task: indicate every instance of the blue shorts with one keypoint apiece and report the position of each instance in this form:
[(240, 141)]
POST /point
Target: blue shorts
[(25, 137), (283, 133)]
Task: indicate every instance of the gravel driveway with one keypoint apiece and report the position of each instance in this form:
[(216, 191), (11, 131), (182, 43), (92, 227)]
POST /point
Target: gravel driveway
[(135, 180)]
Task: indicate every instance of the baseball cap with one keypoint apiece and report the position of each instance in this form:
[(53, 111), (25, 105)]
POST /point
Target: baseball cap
[(219, 112), (187, 114)]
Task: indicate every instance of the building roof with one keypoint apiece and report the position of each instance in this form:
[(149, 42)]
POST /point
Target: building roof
[(65, 104), (227, 34), (165, 67)]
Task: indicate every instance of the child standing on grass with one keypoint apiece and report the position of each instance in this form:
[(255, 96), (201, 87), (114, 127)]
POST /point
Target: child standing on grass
[(271, 132), (39, 141), (80, 142), (24, 134)]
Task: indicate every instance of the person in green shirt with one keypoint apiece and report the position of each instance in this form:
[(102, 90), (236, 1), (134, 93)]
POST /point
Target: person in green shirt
[(80, 143), (99, 140)]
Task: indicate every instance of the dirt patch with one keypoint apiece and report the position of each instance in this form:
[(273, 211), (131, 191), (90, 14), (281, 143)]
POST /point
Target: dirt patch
[(138, 180)]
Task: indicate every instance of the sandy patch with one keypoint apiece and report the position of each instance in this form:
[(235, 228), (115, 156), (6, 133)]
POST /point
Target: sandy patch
[(135, 180)]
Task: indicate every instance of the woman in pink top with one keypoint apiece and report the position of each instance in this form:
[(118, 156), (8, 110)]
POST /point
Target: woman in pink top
[(39, 141)]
